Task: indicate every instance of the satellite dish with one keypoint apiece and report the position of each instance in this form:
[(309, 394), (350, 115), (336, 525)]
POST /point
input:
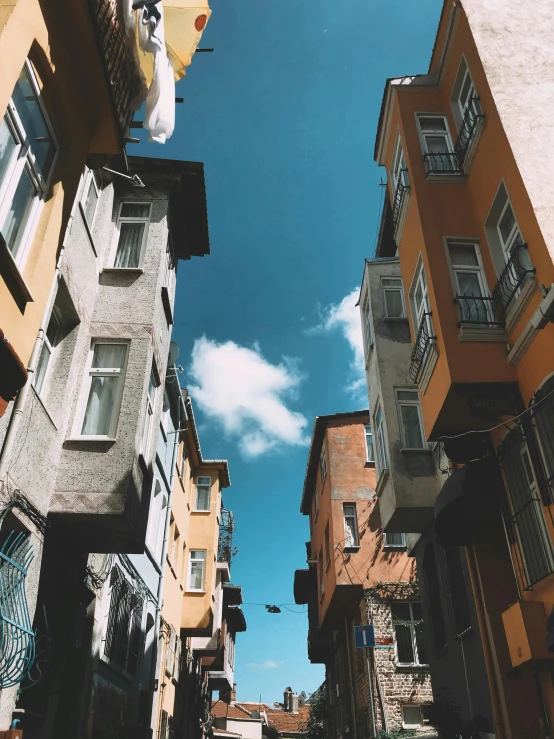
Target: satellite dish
[(173, 353), (255, 714)]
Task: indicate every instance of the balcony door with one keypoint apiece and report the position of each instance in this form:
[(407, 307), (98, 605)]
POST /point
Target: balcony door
[(470, 286)]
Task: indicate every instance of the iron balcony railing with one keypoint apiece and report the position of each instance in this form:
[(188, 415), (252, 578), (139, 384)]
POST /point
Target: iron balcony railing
[(478, 310), (118, 67), (422, 344), (514, 274), (442, 162), (402, 187), (225, 549), (472, 119)]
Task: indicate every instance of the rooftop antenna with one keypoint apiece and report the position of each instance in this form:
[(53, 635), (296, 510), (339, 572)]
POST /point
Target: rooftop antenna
[(134, 179)]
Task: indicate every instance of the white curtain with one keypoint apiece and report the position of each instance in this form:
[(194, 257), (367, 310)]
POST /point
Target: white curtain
[(129, 246), (103, 390), (350, 532)]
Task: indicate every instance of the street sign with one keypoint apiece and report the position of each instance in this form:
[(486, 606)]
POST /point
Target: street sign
[(364, 636), (384, 642)]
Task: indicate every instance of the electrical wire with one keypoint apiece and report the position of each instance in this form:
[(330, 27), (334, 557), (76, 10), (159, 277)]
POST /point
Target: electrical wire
[(486, 431)]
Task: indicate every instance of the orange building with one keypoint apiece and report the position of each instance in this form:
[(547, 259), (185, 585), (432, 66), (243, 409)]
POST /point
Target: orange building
[(472, 226), (359, 575)]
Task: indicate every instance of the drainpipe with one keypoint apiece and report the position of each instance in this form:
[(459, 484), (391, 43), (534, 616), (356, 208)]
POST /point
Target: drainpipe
[(23, 395), (499, 710), (156, 707), (370, 679), (350, 679)]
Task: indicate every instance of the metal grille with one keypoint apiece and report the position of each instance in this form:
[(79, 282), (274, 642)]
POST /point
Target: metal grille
[(434, 606), (525, 520), (473, 119), (542, 413), (122, 82), (421, 347), (512, 278), (442, 162), (225, 550), (401, 189), (17, 640), (123, 631), (478, 310)]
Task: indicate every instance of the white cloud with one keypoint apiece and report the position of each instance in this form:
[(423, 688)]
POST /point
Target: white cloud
[(269, 664), (345, 316), (247, 394)]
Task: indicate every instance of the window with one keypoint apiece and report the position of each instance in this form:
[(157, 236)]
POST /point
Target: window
[(508, 230), (350, 526), (411, 717), (149, 419), (104, 388), (203, 493), (409, 638), (172, 649), (166, 414), (469, 283), (395, 541), (456, 590), (182, 460), (369, 451), (175, 547), (434, 606), (230, 647), (316, 501), (381, 443), (91, 193), (465, 104), (156, 521), (132, 227), (399, 170), (51, 337), (197, 569), (327, 547), (123, 633), (27, 154), (321, 574), (438, 151), (323, 464), (422, 324), (393, 297), (366, 319), (411, 427)]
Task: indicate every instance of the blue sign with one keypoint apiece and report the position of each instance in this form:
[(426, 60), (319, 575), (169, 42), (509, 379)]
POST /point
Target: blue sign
[(364, 636)]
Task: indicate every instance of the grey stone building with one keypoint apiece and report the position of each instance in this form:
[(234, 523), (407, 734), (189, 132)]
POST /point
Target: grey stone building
[(410, 472), (78, 455)]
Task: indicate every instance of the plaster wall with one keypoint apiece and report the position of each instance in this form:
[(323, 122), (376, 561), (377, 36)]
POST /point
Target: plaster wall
[(247, 729)]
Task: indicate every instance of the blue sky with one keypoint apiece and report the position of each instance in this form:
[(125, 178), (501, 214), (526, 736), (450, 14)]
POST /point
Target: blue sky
[(283, 114)]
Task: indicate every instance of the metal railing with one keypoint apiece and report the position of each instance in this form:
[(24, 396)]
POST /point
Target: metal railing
[(478, 310), (512, 278), (472, 119), (401, 188), (423, 341), (225, 549), (118, 68), (442, 162)]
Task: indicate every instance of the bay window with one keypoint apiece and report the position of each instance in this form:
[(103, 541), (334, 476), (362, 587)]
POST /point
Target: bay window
[(379, 427), (197, 569), (409, 639), (105, 380), (27, 154), (203, 491), (132, 228)]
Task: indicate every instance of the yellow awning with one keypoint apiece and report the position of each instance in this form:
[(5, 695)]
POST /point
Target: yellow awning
[(184, 22)]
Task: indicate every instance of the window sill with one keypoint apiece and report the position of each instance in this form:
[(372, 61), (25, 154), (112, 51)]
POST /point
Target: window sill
[(205, 513), (411, 450), (412, 665), (369, 464), (108, 439), (124, 270), (485, 334), (383, 477), (351, 550), (388, 548), (13, 277), (457, 178), (195, 592)]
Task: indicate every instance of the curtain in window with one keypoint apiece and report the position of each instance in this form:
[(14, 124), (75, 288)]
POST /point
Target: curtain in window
[(103, 389), (350, 530), (203, 497), (393, 300), (129, 245), (412, 427)]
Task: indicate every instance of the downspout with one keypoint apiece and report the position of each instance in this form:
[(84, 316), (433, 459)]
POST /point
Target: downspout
[(499, 710), (370, 678), (156, 707), (378, 682), (23, 395), (350, 679)]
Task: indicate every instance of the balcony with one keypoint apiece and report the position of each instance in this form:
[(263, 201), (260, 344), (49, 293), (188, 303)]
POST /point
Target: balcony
[(470, 131), (225, 549), (442, 164), (422, 347), (478, 310), (400, 205), (122, 80), (517, 271)]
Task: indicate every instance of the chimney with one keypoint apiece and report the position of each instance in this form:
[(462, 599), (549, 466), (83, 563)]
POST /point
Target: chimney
[(294, 703), (287, 699), (234, 693), (230, 696)]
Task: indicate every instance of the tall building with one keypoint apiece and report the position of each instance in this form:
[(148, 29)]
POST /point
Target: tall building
[(359, 575), (473, 231)]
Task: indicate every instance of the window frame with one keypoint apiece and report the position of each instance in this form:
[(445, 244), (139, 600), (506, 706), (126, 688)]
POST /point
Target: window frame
[(323, 463), (368, 435), (412, 726), (367, 326), (399, 404), (458, 109), (388, 545), (90, 180), (150, 409), (23, 160), (398, 159), (423, 311), (91, 372), (353, 515), (128, 219), (192, 559), (381, 458), (512, 241), (411, 624), (198, 485), (478, 269), (392, 288), (438, 132), (50, 347)]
